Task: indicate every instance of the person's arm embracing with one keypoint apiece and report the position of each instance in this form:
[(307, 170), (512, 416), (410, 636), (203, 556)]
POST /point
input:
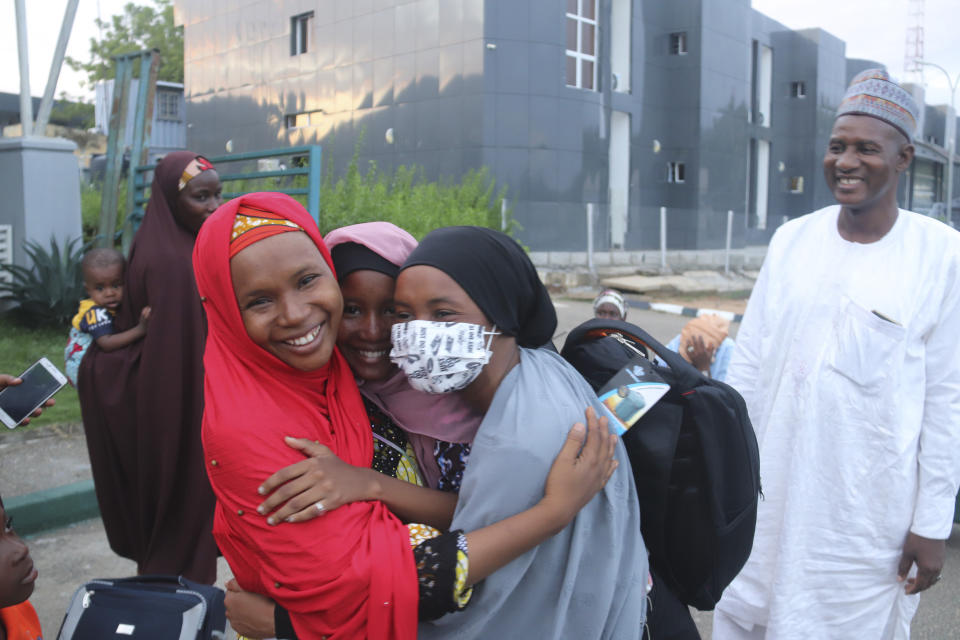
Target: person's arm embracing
[(938, 461)]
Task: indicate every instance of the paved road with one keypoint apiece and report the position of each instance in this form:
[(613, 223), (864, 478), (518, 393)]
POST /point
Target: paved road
[(67, 557)]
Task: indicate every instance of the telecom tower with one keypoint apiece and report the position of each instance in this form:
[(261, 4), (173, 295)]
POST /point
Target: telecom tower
[(913, 54)]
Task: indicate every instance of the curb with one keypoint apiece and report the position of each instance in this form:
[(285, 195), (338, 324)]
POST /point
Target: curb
[(680, 310), (53, 508)]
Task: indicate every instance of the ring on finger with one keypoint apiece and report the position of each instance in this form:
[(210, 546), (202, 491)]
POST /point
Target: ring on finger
[(319, 506)]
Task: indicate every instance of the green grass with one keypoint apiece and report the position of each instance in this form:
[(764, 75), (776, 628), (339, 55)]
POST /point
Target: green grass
[(20, 347)]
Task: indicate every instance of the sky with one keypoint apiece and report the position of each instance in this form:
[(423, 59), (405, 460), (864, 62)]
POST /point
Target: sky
[(874, 29), (877, 30), (44, 18)]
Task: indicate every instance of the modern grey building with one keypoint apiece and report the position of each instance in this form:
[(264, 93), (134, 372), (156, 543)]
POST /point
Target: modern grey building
[(698, 106)]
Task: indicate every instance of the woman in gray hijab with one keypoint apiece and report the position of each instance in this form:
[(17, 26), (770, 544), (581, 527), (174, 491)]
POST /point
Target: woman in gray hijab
[(473, 313)]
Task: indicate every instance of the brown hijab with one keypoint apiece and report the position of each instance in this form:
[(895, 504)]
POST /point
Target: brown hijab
[(142, 404)]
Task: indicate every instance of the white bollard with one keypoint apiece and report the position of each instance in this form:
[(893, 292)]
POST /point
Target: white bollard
[(593, 271), (726, 259), (663, 238)]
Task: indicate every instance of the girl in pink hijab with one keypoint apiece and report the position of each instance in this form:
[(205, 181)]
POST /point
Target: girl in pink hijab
[(367, 258)]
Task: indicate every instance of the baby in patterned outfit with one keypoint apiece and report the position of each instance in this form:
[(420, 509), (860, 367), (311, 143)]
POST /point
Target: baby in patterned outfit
[(103, 281)]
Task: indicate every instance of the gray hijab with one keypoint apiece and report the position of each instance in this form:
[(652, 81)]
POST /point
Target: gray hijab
[(589, 581)]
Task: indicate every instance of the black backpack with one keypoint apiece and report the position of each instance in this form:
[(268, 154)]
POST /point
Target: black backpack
[(695, 462)]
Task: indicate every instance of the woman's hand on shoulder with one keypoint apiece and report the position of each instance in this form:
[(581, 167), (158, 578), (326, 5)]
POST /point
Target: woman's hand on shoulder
[(581, 469), (250, 614), (309, 488)]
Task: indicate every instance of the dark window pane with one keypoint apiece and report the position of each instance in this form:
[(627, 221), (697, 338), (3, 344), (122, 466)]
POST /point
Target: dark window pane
[(571, 71), (586, 75), (572, 7), (678, 43), (293, 36), (586, 45), (571, 35), (589, 9)]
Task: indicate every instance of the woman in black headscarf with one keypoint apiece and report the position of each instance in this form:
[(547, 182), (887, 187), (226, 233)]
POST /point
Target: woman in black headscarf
[(474, 313)]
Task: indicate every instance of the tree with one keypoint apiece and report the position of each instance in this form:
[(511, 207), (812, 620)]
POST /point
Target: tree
[(69, 113), (139, 27)]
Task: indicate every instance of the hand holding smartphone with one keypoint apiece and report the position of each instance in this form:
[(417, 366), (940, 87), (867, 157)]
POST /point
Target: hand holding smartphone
[(39, 382)]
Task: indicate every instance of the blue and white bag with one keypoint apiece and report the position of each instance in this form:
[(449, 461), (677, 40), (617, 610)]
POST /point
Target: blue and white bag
[(145, 608)]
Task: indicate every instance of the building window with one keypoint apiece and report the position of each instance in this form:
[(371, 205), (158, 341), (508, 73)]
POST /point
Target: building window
[(582, 44), (676, 172), (168, 105), (303, 119), (299, 33), (678, 43), (796, 184), (798, 89), (761, 77)]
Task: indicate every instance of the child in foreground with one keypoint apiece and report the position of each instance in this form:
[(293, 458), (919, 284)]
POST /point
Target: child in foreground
[(18, 620), (103, 281)]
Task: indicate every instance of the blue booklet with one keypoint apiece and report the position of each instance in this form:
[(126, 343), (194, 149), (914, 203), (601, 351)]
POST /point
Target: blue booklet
[(630, 393)]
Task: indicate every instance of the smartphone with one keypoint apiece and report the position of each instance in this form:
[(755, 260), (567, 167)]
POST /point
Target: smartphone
[(40, 381)]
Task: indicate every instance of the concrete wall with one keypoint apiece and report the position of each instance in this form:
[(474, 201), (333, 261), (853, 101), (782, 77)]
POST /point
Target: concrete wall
[(40, 180), (413, 67)]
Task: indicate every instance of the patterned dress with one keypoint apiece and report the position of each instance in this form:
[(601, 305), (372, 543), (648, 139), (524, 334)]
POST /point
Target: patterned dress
[(442, 559)]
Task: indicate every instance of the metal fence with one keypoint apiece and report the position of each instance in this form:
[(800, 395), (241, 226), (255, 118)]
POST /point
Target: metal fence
[(240, 168)]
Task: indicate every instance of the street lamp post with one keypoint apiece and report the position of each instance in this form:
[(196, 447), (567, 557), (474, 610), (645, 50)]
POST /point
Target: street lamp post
[(951, 134)]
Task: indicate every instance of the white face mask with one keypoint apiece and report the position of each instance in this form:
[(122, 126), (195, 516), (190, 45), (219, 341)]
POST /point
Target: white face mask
[(440, 357)]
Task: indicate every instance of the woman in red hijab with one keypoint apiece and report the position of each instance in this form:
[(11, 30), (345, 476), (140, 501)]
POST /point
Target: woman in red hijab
[(272, 370)]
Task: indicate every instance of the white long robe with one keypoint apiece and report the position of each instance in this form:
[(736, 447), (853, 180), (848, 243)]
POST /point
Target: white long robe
[(858, 421)]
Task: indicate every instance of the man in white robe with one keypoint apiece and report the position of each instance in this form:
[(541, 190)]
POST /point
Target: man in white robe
[(849, 360)]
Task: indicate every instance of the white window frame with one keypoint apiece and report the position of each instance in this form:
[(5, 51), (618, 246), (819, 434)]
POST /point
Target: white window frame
[(676, 172), (678, 43), (168, 105), (300, 33), (765, 85), (798, 89), (6, 251), (579, 55), (303, 119)]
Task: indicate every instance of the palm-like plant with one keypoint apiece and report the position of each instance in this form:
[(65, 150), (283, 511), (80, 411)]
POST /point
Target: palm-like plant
[(47, 292)]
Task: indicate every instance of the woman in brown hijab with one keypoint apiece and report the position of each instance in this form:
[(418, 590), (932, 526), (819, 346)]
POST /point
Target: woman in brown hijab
[(142, 404)]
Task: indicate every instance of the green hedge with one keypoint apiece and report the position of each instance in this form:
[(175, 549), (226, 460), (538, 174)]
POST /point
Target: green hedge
[(408, 201), (402, 197)]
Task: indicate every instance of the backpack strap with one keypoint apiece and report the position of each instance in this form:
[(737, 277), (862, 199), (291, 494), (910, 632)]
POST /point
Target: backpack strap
[(687, 377)]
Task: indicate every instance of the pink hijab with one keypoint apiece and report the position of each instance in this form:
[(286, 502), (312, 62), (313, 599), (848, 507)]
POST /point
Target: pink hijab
[(426, 418)]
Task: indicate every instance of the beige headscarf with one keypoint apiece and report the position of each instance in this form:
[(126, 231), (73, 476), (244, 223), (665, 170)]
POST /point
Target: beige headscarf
[(710, 327)]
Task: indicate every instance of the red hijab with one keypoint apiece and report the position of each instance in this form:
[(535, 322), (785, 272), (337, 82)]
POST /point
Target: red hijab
[(349, 574)]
